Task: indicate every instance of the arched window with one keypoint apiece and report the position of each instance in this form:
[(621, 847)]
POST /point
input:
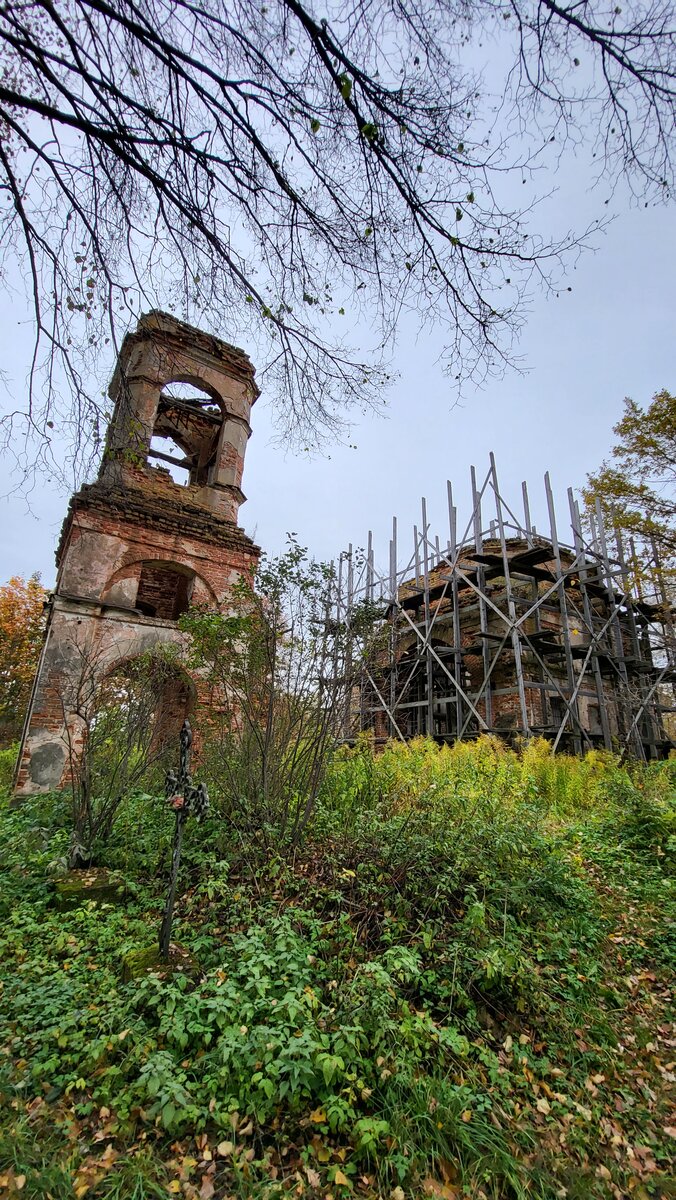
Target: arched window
[(164, 590), (186, 431), (136, 715)]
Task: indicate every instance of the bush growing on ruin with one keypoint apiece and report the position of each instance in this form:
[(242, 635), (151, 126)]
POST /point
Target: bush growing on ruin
[(279, 677)]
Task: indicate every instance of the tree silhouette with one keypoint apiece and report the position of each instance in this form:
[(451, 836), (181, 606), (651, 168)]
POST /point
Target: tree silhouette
[(277, 170)]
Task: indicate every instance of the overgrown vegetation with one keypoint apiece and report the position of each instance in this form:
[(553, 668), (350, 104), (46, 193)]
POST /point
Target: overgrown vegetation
[(118, 725), (269, 692), (456, 985), (277, 675)]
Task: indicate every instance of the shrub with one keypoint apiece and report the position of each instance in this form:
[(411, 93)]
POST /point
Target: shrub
[(7, 763)]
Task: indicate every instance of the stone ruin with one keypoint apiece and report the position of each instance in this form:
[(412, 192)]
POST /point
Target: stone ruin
[(138, 547)]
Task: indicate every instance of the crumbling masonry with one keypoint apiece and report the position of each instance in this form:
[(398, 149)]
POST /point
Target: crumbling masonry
[(495, 629), (138, 547)]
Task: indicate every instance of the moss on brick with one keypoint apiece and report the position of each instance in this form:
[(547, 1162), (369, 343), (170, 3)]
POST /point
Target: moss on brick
[(94, 883), (143, 962)]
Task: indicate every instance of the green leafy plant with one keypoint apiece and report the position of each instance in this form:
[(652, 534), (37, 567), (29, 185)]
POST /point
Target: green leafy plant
[(458, 979), (280, 680), (118, 739)]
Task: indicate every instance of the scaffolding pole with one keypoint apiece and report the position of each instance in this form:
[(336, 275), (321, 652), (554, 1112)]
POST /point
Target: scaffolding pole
[(502, 624)]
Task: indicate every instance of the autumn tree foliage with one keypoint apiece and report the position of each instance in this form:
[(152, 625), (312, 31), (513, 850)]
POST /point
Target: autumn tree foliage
[(21, 630)]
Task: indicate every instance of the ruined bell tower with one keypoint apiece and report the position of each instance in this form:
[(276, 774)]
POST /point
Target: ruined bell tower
[(156, 532)]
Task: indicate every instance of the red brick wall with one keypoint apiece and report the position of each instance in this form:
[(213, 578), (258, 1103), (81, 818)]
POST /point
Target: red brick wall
[(102, 550)]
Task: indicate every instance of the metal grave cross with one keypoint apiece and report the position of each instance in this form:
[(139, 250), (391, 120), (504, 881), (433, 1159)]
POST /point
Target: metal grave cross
[(186, 799)]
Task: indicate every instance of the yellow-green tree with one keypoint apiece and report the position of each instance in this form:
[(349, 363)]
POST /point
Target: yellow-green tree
[(21, 628)]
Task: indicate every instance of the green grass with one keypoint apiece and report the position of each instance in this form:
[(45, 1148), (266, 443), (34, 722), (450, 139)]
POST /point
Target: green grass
[(457, 986)]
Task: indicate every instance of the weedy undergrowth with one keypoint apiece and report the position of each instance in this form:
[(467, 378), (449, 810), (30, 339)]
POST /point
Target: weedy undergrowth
[(457, 985)]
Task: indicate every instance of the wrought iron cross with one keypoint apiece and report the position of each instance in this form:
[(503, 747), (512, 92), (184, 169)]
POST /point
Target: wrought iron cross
[(186, 799)]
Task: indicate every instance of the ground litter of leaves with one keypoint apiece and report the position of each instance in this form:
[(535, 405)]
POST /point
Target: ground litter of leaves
[(577, 1109)]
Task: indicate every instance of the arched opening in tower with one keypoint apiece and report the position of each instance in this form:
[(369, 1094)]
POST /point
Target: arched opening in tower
[(164, 590), (130, 727), (186, 432)]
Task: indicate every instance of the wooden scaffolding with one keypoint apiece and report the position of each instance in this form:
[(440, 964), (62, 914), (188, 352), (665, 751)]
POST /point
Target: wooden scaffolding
[(503, 630)]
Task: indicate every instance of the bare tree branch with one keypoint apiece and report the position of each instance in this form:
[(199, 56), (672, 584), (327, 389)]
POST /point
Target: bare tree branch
[(276, 174)]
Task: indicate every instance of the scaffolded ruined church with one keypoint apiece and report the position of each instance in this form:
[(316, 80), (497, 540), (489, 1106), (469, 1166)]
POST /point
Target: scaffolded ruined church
[(496, 629)]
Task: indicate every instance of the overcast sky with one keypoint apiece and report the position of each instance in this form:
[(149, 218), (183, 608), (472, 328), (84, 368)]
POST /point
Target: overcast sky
[(611, 336)]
